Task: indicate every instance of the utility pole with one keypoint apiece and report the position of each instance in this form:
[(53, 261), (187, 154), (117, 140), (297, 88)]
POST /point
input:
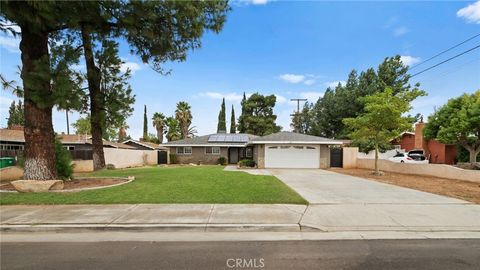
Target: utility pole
[(298, 111)]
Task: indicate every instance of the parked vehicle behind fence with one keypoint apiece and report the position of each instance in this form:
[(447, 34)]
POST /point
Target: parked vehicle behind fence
[(414, 156)]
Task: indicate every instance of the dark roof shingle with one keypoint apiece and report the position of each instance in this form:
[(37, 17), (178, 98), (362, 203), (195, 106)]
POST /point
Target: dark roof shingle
[(287, 136)]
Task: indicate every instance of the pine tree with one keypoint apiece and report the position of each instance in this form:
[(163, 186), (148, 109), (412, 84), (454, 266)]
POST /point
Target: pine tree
[(258, 116), (180, 24), (233, 126), (222, 124), (145, 123)]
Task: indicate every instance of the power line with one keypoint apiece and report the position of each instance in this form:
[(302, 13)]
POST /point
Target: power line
[(444, 61), (447, 50)]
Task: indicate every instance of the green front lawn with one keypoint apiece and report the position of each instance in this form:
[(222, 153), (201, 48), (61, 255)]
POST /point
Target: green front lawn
[(203, 184)]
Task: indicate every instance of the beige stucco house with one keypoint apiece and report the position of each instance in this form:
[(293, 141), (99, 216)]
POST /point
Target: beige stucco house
[(278, 150)]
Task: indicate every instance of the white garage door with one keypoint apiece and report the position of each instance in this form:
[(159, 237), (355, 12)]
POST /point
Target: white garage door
[(290, 156)]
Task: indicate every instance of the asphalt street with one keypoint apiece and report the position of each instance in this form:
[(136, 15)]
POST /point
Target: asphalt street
[(327, 254)]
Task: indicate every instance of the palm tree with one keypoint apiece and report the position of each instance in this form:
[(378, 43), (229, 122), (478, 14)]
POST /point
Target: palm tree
[(192, 131), (184, 117), (159, 122), (173, 130)]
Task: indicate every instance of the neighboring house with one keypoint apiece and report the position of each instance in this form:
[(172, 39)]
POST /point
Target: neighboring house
[(14, 139), (278, 150), (162, 152), (434, 150), (142, 145)]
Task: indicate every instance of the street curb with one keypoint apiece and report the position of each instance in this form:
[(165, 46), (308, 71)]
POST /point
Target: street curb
[(151, 227)]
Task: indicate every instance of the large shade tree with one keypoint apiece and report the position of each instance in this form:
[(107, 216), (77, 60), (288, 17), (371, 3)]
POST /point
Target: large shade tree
[(157, 31), (345, 100), (384, 118), (37, 22), (458, 122)]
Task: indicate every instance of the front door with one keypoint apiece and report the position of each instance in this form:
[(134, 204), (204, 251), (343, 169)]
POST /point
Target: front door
[(233, 155)]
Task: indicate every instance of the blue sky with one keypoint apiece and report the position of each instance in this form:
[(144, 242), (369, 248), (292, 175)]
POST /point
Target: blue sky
[(296, 49)]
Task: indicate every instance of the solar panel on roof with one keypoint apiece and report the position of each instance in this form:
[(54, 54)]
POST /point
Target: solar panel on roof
[(228, 138)]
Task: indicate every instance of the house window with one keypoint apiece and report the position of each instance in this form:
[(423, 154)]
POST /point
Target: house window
[(212, 150), (284, 147), (186, 150), (309, 147), (248, 152), (70, 147), (11, 147), (272, 147), (298, 147)]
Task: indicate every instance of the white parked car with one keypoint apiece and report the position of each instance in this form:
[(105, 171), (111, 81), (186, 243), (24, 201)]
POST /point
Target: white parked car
[(415, 156)]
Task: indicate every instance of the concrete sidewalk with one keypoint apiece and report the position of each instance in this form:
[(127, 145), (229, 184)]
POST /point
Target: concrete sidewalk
[(153, 217), (244, 218)]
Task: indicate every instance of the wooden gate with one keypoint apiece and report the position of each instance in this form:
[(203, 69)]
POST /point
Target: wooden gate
[(162, 157), (336, 157)]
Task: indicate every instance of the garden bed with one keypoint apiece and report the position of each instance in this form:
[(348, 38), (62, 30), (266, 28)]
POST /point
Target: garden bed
[(79, 184)]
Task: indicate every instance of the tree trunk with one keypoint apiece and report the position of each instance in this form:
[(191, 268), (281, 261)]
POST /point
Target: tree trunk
[(39, 135), (473, 156), (376, 160), (97, 117), (160, 135)]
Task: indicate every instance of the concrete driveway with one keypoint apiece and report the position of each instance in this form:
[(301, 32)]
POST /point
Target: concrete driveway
[(327, 187), (341, 202)]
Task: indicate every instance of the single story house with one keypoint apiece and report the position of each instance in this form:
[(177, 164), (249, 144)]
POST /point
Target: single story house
[(143, 145), (435, 151), (12, 140), (162, 152), (278, 150)]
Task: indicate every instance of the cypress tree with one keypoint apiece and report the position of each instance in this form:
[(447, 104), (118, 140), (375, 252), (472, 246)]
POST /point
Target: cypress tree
[(145, 124), (241, 122), (233, 126), (222, 124)]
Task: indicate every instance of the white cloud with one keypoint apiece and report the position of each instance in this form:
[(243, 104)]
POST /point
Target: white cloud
[(4, 101), (10, 43), (311, 96), (259, 2), (281, 99), (130, 65), (409, 60), (470, 13), (227, 96), (292, 78), (249, 2), (400, 31), (307, 79), (309, 82), (334, 84)]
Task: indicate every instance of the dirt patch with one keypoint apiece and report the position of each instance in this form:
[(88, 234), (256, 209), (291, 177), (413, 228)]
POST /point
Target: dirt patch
[(464, 190), (79, 183)]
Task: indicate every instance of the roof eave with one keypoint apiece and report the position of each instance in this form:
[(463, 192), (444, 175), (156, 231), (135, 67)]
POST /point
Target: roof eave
[(204, 145), (295, 142)]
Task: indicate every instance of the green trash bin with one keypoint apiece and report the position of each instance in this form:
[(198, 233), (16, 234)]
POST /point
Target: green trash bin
[(6, 162)]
